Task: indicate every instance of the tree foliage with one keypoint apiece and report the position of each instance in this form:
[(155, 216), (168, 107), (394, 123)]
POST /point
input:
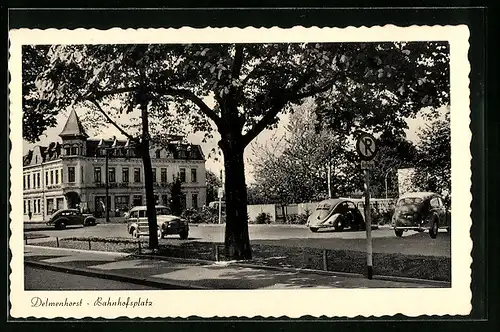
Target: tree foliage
[(213, 183), (239, 89)]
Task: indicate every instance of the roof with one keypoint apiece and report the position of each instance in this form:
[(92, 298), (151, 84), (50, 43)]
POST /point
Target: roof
[(144, 207), (48, 153), (335, 201), (73, 126), (420, 194)]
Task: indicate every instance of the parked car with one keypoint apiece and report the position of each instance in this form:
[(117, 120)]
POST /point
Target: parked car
[(420, 211), (166, 223), (338, 213), (62, 218)]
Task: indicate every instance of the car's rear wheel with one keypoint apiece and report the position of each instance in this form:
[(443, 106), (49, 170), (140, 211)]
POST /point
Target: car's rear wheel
[(433, 231), (183, 235), (339, 225), (313, 229), (398, 232)]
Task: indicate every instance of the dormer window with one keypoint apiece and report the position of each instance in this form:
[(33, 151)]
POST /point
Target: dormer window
[(67, 151), (158, 153), (74, 150)]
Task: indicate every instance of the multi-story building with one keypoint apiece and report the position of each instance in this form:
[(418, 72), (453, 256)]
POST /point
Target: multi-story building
[(71, 173)]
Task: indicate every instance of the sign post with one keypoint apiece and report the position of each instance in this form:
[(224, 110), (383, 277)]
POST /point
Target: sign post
[(366, 147)]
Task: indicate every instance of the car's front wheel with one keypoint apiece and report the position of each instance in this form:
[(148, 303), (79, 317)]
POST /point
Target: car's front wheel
[(183, 235), (339, 225), (398, 232), (135, 233)]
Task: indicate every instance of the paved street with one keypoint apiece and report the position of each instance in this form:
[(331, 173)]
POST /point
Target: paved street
[(174, 273), (43, 279), (384, 240)]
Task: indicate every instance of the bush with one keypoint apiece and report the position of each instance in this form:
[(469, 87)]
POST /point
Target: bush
[(263, 218), (298, 219), (193, 216)]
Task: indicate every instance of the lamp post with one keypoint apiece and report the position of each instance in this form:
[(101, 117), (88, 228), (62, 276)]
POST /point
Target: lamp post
[(107, 185), (386, 174)]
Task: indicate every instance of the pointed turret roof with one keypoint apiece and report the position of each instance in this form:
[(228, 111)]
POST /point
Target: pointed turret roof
[(73, 127)]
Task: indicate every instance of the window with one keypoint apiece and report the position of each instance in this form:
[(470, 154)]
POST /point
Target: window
[(133, 214), (154, 175), (111, 175), (194, 199), (67, 151), (183, 175), (74, 150), (38, 205), (46, 178), (36, 159), (125, 174), (57, 176), (157, 199), (183, 201), (193, 175), (158, 153), (81, 175), (38, 180), (24, 181), (34, 181), (28, 178), (165, 200), (24, 201), (51, 177), (122, 202), (97, 174), (137, 175), (34, 206), (142, 214), (29, 205), (163, 175), (71, 174), (137, 200)]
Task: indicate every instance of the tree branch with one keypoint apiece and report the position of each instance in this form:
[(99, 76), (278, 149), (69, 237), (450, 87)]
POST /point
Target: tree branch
[(262, 124), (238, 61), (197, 101), (108, 118), (100, 94)]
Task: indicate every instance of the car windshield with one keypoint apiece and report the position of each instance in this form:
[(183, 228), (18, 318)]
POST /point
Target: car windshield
[(161, 211), (409, 201)]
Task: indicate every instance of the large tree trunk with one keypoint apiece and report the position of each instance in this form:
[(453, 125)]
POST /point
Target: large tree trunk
[(150, 197), (148, 171), (237, 241)]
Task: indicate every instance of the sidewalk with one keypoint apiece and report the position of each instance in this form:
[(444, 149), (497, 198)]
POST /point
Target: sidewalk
[(177, 274)]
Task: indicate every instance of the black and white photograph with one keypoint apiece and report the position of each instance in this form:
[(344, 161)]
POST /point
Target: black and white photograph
[(281, 166)]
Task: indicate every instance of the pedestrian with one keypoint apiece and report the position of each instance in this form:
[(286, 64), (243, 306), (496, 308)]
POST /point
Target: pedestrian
[(30, 215)]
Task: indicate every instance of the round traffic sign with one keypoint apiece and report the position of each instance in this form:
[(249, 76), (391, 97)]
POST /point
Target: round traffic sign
[(366, 146)]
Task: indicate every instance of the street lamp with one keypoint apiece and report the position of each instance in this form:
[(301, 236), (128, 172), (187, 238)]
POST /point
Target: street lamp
[(386, 174)]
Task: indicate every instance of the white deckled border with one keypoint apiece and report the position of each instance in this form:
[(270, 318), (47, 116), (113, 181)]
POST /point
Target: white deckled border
[(266, 303)]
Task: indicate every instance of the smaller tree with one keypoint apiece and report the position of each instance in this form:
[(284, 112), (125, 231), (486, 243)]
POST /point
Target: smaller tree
[(176, 194), (433, 167)]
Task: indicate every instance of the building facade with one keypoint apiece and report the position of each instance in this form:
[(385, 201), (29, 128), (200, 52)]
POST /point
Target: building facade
[(71, 173)]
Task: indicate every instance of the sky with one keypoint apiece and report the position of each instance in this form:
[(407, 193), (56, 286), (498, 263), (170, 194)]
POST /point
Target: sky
[(264, 138)]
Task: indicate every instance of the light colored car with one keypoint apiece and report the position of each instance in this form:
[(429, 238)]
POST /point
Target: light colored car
[(420, 211), (62, 218), (337, 213), (166, 223)]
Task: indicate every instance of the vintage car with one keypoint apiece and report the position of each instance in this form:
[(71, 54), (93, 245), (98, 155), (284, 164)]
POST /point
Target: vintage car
[(62, 218), (167, 223), (338, 214), (420, 211)]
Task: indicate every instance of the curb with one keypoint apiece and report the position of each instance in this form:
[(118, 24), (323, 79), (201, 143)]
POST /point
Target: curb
[(114, 276), (115, 253)]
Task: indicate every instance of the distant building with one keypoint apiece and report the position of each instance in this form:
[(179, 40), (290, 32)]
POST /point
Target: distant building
[(71, 173)]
